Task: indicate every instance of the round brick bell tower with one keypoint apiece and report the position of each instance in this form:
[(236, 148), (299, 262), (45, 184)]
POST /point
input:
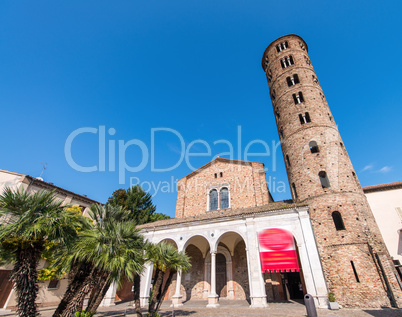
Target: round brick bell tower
[(356, 264)]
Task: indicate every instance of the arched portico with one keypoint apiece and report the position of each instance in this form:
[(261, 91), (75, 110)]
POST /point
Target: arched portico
[(228, 273), (231, 246), (146, 277), (187, 286)]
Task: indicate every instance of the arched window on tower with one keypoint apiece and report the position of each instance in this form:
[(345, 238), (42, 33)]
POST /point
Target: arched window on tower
[(269, 76), (224, 196), (298, 98), (273, 95), (287, 160), (355, 178), (292, 80), (313, 147), (281, 132), (266, 62), (287, 61), (304, 118), (277, 113), (294, 191), (324, 179), (213, 199), (282, 46), (338, 221)]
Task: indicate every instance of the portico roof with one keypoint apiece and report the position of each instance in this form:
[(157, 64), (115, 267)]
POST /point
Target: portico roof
[(216, 214)]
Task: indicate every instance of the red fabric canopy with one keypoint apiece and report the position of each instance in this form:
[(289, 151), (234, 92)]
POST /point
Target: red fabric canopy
[(277, 250)]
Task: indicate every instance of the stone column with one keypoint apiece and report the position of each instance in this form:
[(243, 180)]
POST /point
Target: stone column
[(207, 272), (258, 295), (213, 297), (108, 300), (177, 299), (145, 285), (310, 261)]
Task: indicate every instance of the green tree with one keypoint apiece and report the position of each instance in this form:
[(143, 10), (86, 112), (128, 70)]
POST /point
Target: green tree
[(33, 220), (138, 202), (111, 249), (167, 261)]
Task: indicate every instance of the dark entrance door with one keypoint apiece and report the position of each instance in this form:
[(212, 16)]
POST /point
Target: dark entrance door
[(293, 285), (5, 286), (221, 281)]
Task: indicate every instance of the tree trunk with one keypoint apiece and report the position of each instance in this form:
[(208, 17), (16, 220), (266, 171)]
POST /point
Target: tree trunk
[(76, 304), (164, 291), (155, 291), (161, 296), (24, 276), (99, 293), (137, 302), (74, 286)]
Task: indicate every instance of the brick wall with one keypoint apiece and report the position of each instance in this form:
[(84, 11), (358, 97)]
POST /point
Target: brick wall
[(240, 275), (193, 281), (245, 180)]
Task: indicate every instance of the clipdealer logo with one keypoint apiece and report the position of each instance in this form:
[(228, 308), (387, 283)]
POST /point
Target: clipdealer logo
[(110, 148)]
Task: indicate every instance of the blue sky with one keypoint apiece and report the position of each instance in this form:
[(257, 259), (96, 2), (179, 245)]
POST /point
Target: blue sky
[(193, 67)]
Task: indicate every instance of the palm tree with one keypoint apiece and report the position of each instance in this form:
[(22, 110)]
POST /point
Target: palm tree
[(34, 219), (167, 261), (111, 248)]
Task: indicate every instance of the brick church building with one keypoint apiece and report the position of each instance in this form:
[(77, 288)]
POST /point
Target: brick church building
[(243, 245)]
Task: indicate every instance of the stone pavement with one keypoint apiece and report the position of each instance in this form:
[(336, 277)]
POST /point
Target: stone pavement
[(197, 308)]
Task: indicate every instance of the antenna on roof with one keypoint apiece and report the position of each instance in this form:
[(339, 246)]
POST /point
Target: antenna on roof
[(43, 169)]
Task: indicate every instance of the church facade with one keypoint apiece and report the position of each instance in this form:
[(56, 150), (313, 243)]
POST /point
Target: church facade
[(224, 208)]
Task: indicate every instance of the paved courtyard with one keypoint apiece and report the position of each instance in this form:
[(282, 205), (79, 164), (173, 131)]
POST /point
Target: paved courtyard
[(234, 309)]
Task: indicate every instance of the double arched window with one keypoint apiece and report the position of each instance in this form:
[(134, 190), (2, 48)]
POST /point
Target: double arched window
[(219, 200)]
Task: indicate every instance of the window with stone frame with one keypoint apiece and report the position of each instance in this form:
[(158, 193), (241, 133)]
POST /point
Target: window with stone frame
[(224, 198), (213, 200)]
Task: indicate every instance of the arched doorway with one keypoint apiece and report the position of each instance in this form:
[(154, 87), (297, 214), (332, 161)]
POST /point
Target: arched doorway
[(221, 278), (280, 260), (193, 283), (231, 267)]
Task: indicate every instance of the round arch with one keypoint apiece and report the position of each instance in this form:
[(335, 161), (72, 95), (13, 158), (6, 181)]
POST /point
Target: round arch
[(198, 240), (167, 240), (196, 247), (227, 235)]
